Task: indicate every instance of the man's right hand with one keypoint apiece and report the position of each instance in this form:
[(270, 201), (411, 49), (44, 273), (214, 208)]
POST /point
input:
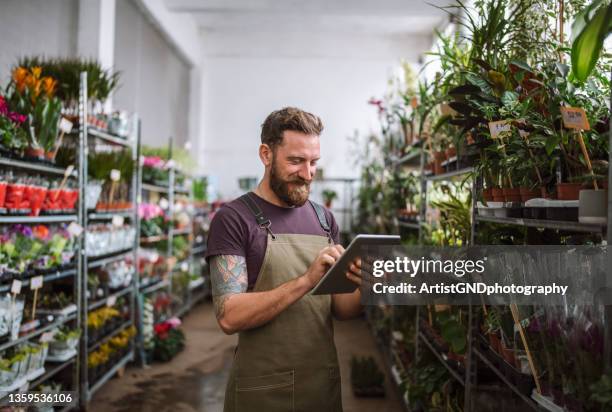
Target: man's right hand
[(324, 260)]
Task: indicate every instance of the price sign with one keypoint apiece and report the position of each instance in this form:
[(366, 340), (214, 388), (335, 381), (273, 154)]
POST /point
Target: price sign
[(111, 300), (75, 229), (499, 127), (65, 125), (575, 118), (115, 175), (118, 220), (16, 287), (36, 282)]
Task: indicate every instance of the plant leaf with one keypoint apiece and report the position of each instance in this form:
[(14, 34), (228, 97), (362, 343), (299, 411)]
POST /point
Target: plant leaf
[(589, 41)]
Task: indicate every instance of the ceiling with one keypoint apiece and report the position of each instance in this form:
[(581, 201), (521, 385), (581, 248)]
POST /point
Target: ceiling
[(321, 16)]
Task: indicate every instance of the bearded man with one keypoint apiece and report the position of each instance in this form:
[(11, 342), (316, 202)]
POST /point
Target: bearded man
[(266, 251)]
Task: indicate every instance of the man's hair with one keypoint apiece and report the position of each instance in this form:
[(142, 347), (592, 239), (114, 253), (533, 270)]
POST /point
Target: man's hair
[(288, 118)]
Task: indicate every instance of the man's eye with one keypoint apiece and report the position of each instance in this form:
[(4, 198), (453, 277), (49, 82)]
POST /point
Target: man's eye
[(313, 163)]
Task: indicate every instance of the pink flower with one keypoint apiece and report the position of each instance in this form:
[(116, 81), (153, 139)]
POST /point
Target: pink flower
[(17, 118), (149, 211), (153, 161), (378, 103), (174, 322)]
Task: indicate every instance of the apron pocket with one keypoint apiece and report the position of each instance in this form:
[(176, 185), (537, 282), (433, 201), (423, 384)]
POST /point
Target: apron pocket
[(265, 393)]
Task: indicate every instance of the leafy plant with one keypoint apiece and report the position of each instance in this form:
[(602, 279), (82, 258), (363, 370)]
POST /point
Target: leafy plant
[(602, 392), (329, 195), (365, 373), (589, 31)]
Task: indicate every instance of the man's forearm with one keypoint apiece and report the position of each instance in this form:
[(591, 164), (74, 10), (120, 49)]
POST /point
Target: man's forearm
[(242, 311), (347, 305)]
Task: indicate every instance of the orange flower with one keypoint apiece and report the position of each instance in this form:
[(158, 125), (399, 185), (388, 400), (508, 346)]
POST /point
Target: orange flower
[(49, 84), (41, 231), (19, 77)]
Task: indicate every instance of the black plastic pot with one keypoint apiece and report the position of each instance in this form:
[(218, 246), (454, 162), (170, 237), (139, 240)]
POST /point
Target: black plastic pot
[(568, 214)]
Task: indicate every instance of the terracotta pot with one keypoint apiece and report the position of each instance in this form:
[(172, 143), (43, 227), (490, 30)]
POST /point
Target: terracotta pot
[(512, 194), (568, 191), (328, 204), (527, 193), (498, 194), (50, 156), (508, 355), (544, 192), (35, 153), (495, 342), (487, 194), (450, 152), (438, 158)]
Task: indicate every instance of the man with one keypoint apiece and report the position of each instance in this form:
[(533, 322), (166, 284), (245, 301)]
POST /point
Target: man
[(267, 250)]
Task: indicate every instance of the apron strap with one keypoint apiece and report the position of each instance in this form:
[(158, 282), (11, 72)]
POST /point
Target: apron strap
[(320, 211), (260, 218)]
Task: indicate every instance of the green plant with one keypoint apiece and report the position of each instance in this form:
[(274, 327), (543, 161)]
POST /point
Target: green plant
[(365, 373), (601, 392), (199, 188), (329, 195), (590, 28)]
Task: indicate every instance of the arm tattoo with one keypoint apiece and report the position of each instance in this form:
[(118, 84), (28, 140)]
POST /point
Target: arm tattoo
[(228, 276)]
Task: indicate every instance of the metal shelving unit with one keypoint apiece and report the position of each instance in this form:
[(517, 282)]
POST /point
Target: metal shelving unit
[(89, 137)]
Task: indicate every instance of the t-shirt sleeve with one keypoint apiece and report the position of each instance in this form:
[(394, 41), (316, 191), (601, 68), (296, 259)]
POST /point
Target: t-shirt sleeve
[(227, 234)]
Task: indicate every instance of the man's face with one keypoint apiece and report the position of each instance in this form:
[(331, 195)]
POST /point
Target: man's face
[(294, 163)]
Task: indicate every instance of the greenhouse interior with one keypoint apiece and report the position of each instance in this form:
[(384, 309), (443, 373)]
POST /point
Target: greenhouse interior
[(333, 205)]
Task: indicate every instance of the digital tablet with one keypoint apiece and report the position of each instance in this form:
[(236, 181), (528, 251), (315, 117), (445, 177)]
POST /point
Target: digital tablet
[(335, 280)]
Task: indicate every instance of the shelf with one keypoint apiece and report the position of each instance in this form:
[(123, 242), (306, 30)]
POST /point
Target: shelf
[(198, 250), (109, 138), (108, 375), (179, 232), (544, 224), (181, 190), (38, 219), (111, 335), (33, 166), (46, 278), (102, 302), (410, 225), (37, 332), (97, 261), (52, 372), (449, 175), (153, 239), (109, 215), (502, 376), (152, 288), (409, 159), (155, 188), (440, 357)]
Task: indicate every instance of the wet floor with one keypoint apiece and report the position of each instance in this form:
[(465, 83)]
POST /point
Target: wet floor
[(195, 379)]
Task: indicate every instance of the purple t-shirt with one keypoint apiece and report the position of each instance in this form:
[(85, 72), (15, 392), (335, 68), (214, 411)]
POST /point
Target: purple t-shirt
[(233, 230)]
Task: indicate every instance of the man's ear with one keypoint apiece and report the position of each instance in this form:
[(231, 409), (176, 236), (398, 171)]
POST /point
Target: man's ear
[(265, 154)]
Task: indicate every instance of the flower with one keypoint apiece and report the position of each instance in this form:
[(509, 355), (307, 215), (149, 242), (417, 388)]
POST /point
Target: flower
[(19, 77), (174, 322), (49, 85), (36, 72), (41, 232)]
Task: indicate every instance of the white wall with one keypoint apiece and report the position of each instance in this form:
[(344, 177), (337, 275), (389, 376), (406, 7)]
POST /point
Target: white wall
[(36, 27), (155, 78), (248, 75)]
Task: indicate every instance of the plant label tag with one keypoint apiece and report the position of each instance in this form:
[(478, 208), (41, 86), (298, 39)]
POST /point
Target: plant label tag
[(184, 266), (414, 102), (575, 118), (16, 287), (65, 125), (111, 301), (115, 175), (163, 203), (75, 229), (118, 220), (68, 170), (36, 282), (499, 127), (47, 336)]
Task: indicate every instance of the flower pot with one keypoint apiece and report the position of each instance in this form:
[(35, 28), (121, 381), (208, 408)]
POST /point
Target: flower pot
[(512, 194), (3, 186), (508, 355), (527, 193), (69, 198), (495, 342), (450, 152), (14, 195), (568, 191), (328, 204), (544, 192), (438, 158), (50, 157), (487, 194), (592, 206), (37, 199), (92, 194), (35, 153), (498, 194)]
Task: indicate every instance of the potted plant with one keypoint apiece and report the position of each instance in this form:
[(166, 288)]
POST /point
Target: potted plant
[(328, 197), (367, 380), (64, 341)]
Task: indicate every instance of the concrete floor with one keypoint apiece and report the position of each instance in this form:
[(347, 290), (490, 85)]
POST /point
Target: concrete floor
[(195, 379)]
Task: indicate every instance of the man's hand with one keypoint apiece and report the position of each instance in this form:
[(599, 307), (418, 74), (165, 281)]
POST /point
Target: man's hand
[(354, 272), (324, 260)]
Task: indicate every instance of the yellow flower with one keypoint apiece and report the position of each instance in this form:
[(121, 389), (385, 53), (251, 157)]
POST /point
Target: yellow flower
[(36, 72)]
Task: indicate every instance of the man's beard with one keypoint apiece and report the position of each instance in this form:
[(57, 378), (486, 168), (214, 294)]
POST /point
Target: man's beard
[(296, 196)]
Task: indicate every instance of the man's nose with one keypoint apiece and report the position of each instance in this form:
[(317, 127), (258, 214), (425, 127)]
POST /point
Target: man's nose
[(305, 172)]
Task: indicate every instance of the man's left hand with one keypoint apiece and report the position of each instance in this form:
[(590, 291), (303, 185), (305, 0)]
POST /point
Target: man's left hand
[(354, 272)]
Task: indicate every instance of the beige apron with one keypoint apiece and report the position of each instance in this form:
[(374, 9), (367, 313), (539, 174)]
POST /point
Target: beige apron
[(290, 363)]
